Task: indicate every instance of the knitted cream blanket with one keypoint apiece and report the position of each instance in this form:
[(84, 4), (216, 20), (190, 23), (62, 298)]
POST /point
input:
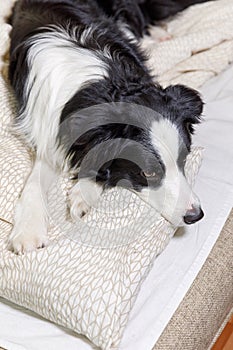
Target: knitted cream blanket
[(201, 44)]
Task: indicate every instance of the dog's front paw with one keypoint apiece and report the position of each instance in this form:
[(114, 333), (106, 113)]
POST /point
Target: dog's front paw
[(77, 205), (83, 196), (27, 236)]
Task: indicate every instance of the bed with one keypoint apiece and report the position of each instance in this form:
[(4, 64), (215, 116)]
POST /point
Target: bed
[(189, 290)]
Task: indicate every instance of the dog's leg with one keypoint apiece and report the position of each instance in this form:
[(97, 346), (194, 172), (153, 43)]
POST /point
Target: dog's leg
[(82, 196), (30, 220)]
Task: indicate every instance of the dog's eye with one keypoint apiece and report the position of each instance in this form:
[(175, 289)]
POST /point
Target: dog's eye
[(145, 174)]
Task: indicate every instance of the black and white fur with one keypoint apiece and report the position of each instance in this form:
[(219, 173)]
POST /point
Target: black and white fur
[(88, 105)]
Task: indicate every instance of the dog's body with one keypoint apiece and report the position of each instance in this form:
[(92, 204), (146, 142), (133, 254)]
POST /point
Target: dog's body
[(89, 105)]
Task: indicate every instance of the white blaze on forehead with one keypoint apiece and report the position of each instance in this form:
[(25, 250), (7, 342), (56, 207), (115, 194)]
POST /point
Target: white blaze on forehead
[(165, 139)]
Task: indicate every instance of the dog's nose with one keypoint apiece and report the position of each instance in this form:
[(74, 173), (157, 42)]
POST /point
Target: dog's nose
[(193, 215)]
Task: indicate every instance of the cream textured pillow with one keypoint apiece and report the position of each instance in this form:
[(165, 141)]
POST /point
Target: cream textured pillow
[(87, 279)]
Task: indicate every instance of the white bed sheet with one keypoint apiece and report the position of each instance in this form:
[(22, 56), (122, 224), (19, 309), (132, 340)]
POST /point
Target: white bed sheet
[(176, 268)]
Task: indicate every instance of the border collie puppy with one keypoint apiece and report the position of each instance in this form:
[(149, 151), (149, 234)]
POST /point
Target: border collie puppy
[(88, 105)]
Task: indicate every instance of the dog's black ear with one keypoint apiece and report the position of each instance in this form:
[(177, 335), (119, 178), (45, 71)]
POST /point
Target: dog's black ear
[(185, 102), (129, 11)]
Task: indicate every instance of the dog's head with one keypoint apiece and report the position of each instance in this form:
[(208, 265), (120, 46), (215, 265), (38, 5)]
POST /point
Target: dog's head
[(146, 151)]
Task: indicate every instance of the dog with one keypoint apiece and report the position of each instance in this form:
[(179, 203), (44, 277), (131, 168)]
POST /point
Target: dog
[(89, 106)]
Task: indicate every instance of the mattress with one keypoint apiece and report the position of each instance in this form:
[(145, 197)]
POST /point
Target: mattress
[(172, 299)]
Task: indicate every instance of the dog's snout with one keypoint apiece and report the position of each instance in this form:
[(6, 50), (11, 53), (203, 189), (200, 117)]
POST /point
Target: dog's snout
[(193, 215)]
